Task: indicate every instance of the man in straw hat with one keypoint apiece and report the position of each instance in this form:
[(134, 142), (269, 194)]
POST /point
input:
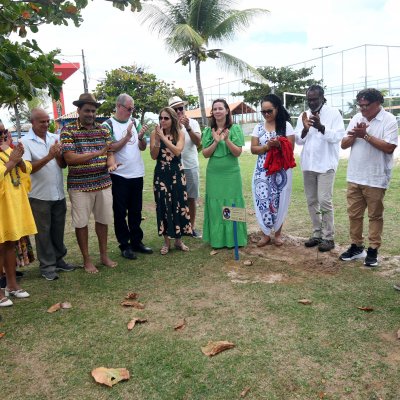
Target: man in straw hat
[(86, 150), (190, 159)]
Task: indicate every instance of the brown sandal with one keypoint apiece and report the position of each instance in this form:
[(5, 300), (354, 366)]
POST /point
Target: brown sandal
[(181, 246), (164, 250), (278, 241), (263, 241)]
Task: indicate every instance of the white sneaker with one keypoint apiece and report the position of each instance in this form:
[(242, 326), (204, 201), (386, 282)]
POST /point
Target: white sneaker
[(19, 294)]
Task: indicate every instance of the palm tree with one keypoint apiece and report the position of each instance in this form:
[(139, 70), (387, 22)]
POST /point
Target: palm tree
[(190, 25)]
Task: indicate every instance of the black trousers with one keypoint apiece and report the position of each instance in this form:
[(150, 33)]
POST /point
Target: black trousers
[(127, 207)]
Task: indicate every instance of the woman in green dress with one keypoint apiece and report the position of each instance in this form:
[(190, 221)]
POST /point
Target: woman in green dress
[(166, 145), (222, 144)]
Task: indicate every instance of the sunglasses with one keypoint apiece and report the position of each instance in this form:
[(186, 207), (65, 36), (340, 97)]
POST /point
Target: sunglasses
[(178, 108), (269, 112), (3, 132), (130, 109), (164, 118)]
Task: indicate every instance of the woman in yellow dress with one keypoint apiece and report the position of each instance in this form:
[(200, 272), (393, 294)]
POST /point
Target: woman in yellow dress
[(16, 219)]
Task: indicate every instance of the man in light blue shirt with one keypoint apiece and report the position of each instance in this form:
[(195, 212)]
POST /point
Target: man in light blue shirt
[(46, 197)]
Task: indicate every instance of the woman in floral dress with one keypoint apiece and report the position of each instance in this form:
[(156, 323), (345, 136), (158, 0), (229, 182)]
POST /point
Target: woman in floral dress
[(271, 193), (166, 145)]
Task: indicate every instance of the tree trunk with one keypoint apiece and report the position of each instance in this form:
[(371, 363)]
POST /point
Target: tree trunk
[(17, 120), (201, 95)]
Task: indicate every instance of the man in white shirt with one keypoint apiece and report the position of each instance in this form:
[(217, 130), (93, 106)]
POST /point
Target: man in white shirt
[(127, 180), (47, 197), (320, 130), (190, 158), (372, 135)]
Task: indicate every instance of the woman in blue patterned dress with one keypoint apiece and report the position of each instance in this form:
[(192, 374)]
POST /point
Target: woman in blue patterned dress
[(271, 193)]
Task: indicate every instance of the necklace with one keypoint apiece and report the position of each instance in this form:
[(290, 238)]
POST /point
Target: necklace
[(16, 181)]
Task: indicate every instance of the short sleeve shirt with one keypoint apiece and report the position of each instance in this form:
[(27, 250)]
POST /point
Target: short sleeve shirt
[(190, 157), (93, 174)]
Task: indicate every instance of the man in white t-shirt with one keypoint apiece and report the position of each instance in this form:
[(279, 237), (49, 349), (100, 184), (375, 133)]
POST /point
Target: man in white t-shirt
[(190, 158), (127, 180), (372, 135), (319, 130)]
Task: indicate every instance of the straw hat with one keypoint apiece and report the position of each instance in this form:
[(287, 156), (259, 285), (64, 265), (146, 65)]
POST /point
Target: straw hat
[(176, 101)]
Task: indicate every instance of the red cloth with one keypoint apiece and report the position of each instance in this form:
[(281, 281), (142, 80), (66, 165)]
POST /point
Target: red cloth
[(280, 158)]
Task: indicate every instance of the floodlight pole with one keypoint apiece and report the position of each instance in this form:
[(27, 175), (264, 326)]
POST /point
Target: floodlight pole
[(322, 61)]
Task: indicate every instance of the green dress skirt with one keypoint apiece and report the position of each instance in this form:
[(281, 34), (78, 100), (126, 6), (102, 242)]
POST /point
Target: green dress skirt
[(223, 188)]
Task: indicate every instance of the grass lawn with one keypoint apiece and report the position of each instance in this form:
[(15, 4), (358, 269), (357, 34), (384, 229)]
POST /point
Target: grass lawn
[(283, 349)]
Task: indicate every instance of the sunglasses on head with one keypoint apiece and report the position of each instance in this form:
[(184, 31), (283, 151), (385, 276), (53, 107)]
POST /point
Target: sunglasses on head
[(269, 112), (178, 108), (164, 118)]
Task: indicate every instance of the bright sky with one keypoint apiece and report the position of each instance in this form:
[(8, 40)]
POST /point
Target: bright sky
[(111, 38)]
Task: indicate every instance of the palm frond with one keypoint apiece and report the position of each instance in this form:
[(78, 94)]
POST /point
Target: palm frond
[(184, 37), (231, 63), (236, 21)]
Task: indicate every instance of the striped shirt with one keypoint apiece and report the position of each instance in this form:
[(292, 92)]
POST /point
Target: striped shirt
[(93, 174)]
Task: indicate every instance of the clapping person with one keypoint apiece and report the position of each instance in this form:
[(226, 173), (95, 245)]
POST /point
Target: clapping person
[(16, 219), (271, 192), (222, 145), (166, 145)]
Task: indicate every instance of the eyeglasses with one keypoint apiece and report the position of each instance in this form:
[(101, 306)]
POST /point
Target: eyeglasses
[(178, 108), (363, 106), (130, 109), (269, 112), (164, 118)]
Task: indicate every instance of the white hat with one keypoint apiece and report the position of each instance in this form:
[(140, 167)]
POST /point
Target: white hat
[(176, 101)]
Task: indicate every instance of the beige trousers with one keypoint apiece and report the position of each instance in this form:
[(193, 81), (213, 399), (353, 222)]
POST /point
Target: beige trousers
[(360, 197)]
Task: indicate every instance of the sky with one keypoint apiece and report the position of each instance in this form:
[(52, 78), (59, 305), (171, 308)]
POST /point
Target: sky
[(289, 35)]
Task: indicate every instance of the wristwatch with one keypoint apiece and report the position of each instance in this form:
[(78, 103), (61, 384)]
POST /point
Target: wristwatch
[(367, 137), (188, 128)]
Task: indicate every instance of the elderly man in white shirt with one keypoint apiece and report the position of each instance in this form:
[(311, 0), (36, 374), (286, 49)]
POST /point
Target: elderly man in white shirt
[(319, 130), (372, 135), (47, 198)]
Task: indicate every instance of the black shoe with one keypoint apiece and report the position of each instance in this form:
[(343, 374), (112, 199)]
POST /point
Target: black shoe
[(372, 258), (353, 252), (128, 253), (50, 276), (3, 282), (65, 267), (326, 245), (313, 241), (141, 248)]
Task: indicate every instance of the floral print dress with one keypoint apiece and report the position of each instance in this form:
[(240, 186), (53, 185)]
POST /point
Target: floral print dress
[(169, 184)]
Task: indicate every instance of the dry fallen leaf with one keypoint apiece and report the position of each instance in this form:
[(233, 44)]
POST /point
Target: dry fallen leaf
[(134, 304), (368, 309), (213, 252), (66, 305), (245, 391), (131, 296), (1, 334), (248, 263), (180, 326), (135, 321), (110, 376), (322, 395), (54, 308), (304, 301), (214, 348)]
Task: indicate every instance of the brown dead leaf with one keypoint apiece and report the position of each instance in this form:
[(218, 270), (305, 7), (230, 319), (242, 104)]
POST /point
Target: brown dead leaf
[(1, 334), (181, 325), (244, 392), (322, 395), (367, 309), (131, 296), (305, 301), (398, 334), (71, 9), (25, 14), (135, 321), (247, 263), (110, 376), (66, 305), (54, 308), (214, 348), (134, 304), (213, 252)]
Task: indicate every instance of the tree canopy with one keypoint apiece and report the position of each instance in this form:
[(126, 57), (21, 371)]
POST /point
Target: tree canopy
[(149, 93), (189, 27), (278, 81)]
